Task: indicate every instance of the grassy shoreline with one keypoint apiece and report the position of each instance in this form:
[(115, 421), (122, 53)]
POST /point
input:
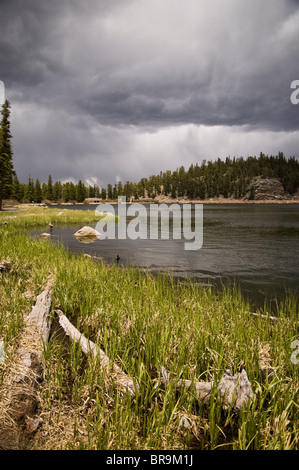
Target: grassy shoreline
[(143, 322)]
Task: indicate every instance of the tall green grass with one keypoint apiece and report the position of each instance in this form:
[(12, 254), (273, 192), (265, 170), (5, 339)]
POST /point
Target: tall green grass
[(36, 216), (143, 322)]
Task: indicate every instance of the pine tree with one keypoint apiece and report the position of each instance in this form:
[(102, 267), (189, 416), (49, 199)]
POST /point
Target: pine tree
[(72, 191), (50, 189), (38, 195), (114, 192), (80, 191), (91, 191), (17, 190), (29, 190), (44, 190), (6, 163), (109, 191), (57, 191), (66, 192)]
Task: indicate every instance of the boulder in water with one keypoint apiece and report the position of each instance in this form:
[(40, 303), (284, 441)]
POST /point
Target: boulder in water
[(87, 232)]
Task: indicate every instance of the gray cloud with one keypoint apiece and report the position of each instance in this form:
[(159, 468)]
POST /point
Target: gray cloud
[(98, 85)]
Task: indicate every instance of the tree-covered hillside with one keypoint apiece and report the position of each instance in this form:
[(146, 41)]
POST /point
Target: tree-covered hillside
[(230, 178)]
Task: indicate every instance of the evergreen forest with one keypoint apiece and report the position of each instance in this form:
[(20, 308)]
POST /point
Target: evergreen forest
[(229, 178)]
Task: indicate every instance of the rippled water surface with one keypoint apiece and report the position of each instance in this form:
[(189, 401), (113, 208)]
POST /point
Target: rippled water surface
[(257, 245)]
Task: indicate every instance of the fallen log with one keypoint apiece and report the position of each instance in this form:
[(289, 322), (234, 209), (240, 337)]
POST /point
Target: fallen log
[(24, 372), (88, 347), (234, 391), (265, 317), (39, 316)]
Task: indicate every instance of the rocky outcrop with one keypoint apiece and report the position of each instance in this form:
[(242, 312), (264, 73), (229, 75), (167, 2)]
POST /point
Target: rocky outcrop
[(265, 189)]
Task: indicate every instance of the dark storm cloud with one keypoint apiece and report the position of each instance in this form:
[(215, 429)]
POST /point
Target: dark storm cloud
[(93, 82), (233, 67)]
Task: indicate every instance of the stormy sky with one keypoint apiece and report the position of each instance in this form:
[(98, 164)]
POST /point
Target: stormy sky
[(103, 90)]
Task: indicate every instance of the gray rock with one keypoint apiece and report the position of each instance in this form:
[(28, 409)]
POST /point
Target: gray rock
[(87, 232), (265, 189)]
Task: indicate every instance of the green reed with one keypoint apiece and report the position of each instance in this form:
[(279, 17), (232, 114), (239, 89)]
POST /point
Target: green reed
[(36, 216), (144, 322)]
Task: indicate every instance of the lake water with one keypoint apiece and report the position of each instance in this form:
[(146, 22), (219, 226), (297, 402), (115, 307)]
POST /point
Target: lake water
[(255, 245)]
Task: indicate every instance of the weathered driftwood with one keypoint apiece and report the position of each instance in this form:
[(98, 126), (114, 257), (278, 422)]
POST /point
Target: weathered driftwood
[(35, 336), (18, 390), (234, 391), (265, 317), (39, 316), (88, 347)]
